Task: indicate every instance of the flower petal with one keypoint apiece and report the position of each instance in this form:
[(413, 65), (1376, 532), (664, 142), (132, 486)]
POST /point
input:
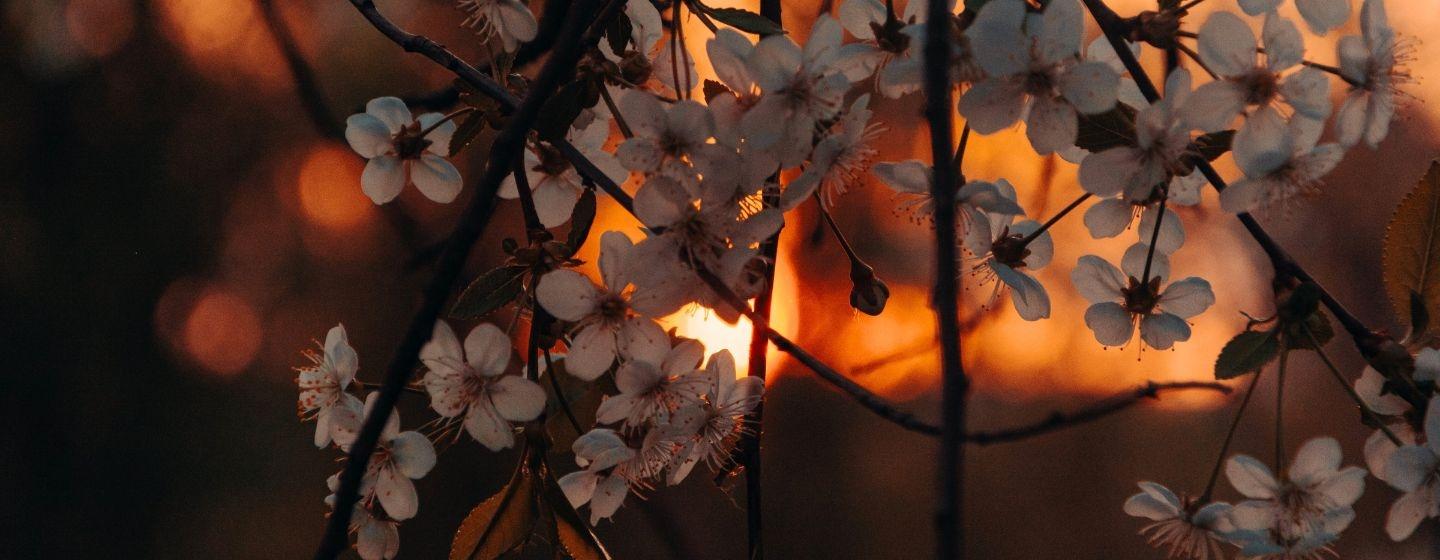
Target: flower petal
[(1110, 322), (436, 178), (566, 294), (517, 399), (383, 179)]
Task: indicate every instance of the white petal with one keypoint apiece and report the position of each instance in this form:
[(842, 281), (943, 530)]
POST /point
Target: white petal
[(578, 486), (609, 494), (1097, 280), (614, 248), (1323, 15), (1370, 386), (1251, 477), (1108, 217), (517, 399), (487, 349), (1061, 30), (1026, 293), (1409, 466), (1308, 91), (1343, 488), (1163, 330), (1187, 298), (1110, 322), (1263, 144), (555, 199), (436, 178), (1257, 7), (1133, 263), (397, 494), (1283, 45), (592, 351), (1109, 173), (1350, 120), (661, 201), (1213, 106), (1407, 512), (439, 137), (909, 176), (566, 294), (1091, 87), (1317, 458), (1051, 125), (383, 179), (367, 135), (643, 339), (1172, 233), (484, 424), (1245, 195), (992, 105), (1227, 45), (998, 28), (391, 111), (413, 454)]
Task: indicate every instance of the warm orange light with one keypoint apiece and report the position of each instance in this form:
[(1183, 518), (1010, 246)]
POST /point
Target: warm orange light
[(226, 40), (221, 332), (329, 189)]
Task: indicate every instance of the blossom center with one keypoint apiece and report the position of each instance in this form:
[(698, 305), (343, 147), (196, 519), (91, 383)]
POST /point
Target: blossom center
[(409, 143), (1141, 297), (1260, 85), (1010, 250)]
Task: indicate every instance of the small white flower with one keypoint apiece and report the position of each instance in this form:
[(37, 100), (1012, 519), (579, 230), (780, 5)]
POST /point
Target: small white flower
[(1293, 167), (1184, 528), (1034, 72), (650, 391), (403, 151), (1373, 64), (839, 161), (471, 379), (1247, 87), (1320, 15), (1412, 470), (322, 390), (668, 139), (1303, 513), (613, 468), (554, 183), (886, 49), (508, 20), (399, 457), (800, 89), (1162, 146), (975, 201), (375, 539), (714, 425), (1371, 384), (1121, 300), (1006, 253), (606, 326)]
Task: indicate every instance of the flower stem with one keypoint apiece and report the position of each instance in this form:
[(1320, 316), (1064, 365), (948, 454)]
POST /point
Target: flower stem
[(1154, 238), (960, 152), (560, 395), (447, 118), (615, 112), (1187, 6), (1229, 437), (1056, 218), (1349, 390), (1280, 412)]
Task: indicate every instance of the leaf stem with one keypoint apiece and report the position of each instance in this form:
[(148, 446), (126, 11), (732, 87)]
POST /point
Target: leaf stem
[(1056, 218), (1229, 437), (1280, 412), (1349, 390), (1154, 238)]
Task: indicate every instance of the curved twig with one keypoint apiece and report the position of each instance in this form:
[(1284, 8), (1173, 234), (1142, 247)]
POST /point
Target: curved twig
[(1061, 420)]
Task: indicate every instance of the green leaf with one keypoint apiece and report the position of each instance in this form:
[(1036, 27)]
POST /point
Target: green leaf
[(1215, 144), (1111, 129), (581, 219), (489, 292), (1410, 260), (466, 133), (1318, 325), (1248, 351), (502, 522), (744, 20)]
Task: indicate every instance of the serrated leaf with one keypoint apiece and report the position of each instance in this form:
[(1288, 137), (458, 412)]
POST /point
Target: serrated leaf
[(489, 292), (1248, 351), (1111, 129), (466, 133), (1410, 260), (745, 20), (581, 219), (500, 523), (711, 89)]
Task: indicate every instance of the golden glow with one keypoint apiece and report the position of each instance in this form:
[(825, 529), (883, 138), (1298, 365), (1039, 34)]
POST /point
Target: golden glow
[(328, 186)]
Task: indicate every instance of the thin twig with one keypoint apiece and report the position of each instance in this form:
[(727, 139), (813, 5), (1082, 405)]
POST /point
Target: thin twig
[(508, 145), (1229, 437), (1091, 413), (1349, 389), (949, 512)]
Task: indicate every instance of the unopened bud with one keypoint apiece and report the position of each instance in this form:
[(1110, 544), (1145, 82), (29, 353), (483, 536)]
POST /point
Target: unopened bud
[(868, 293)]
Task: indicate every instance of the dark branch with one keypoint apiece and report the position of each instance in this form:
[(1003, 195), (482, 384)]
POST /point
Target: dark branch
[(306, 85), (1061, 420), (507, 146)]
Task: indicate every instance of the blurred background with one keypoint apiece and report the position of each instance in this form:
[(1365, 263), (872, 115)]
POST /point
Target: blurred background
[(174, 232)]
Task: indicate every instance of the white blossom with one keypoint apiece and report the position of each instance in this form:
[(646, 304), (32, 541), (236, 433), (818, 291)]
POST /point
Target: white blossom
[(651, 390), (1005, 252), (1412, 470), (612, 468), (606, 324), (1184, 528), (1373, 65), (472, 380), (840, 159), (974, 202), (713, 425), (887, 49), (555, 184), (1293, 167), (801, 87), (507, 20), (1301, 514), (1162, 146), (322, 390), (1320, 15), (1121, 300), (668, 138), (1035, 73), (403, 151), (399, 457)]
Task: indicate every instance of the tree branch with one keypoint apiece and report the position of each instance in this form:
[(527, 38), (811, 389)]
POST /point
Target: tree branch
[(506, 148), (1061, 420)]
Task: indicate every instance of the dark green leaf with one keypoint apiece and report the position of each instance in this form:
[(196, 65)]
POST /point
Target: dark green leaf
[(580, 221), (744, 20), (1248, 351), (1317, 325), (489, 292), (1111, 129), (1300, 303), (466, 132)]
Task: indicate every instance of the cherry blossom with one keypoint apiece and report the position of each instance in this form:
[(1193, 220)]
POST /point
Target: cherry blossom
[(800, 87), (1320, 15), (975, 202), (1007, 253), (472, 380), (1412, 469), (887, 47), (840, 159), (1247, 87), (606, 325), (1294, 167), (668, 139), (322, 390), (554, 183), (612, 468), (1185, 528), (399, 457), (403, 151), (1373, 64), (650, 390), (1162, 146), (1121, 300), (713, 425), (1034, 71), (1302, 513), (507, 20)]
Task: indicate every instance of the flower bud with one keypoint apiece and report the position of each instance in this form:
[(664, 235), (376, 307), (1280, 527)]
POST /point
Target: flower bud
[(868, 292)]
